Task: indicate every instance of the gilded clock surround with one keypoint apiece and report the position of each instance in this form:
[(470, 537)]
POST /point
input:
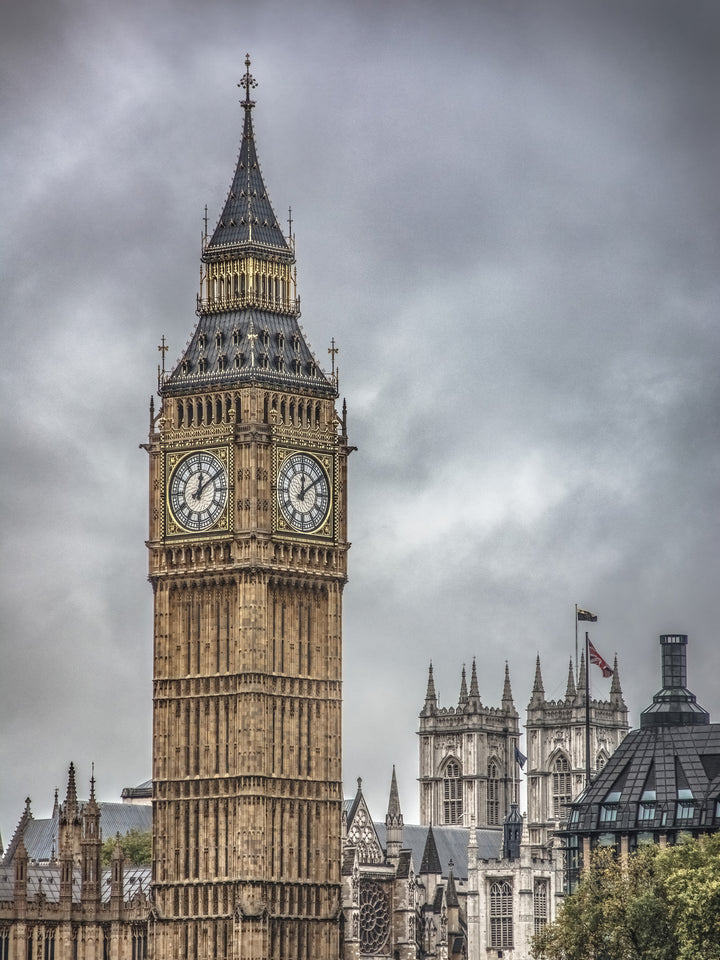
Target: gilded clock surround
[(172, 460)]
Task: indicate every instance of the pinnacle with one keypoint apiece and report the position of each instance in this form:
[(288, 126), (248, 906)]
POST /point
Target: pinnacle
[(570, 690)]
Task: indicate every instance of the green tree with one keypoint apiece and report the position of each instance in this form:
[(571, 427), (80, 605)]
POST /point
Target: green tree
[(136, 845), (619, 912), (691, 880)]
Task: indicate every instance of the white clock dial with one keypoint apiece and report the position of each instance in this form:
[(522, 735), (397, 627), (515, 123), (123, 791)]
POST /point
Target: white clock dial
[(198, 491), (303, 492)]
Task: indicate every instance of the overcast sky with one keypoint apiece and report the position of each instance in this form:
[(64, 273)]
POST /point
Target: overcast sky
[(507, 216)]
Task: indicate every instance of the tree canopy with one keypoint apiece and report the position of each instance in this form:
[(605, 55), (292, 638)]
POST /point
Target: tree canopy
[(657, 904), (136, 846)]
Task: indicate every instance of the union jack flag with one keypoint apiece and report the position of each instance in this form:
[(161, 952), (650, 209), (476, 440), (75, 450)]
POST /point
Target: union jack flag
[(598, 660)]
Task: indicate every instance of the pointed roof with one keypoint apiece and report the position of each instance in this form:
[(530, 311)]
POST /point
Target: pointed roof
[(615, 688), (430, 695), (431, 857), (247, 217), (507, 690), (570, 690), (474, 689), (451, 891), (538, 690), (394, 801), (582, 676), (463, 689)]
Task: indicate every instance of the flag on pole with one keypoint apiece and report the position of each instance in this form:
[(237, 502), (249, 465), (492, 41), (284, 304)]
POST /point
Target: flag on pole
[(520, 757), (586, 615), (598, 660)]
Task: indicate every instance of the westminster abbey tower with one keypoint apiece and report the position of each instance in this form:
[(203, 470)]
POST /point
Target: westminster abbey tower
[(248, 545)]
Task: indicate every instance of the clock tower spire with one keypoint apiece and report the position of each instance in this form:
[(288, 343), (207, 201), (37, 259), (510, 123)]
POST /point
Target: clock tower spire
[(247, 559)]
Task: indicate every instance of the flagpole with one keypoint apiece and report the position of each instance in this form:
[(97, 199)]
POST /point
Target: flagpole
[(577, 662), (587, 709)]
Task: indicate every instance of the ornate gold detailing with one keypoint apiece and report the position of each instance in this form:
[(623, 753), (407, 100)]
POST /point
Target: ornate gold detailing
[(169, 526)]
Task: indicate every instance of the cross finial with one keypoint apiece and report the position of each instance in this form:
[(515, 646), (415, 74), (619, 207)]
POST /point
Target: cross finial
[(163, 348), (247, 82), (332, 350)]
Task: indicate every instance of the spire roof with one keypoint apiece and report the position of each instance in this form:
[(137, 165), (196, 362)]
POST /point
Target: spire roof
[(474, 689), (538, 690), (570, 690), (581, 675), (248, 329), (507, 689), (463, 688), (431, 857), (394, 801), (430, 695), (248, 216), (615, 688)]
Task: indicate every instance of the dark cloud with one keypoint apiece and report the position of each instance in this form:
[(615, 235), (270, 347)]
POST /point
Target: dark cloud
[(506, 215)]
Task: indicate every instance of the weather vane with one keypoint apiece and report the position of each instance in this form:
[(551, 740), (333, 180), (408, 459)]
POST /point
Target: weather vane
[(247, 82)]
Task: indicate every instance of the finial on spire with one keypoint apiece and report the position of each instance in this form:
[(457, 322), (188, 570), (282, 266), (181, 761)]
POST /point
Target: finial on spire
[(507, 689), (247, 83), (333, 350)]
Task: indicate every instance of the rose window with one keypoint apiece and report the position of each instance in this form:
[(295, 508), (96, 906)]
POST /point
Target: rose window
[(374, 917)]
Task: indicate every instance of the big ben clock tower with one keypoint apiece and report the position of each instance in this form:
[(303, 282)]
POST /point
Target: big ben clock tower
[(247, 548)]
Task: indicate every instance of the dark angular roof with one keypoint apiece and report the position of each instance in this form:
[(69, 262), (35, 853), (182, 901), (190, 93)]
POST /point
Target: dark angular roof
[(248, 216), (666, 760), (666, 775), (275, 354), (46, 878), (451, 844), (41, 836), (430, 862)]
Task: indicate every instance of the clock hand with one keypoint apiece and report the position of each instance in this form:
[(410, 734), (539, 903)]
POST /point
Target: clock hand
[(199, 486)]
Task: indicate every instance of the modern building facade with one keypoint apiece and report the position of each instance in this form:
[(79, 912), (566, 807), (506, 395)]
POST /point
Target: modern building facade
[(661, 782)]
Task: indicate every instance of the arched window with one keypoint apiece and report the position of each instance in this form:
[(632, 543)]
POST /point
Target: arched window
[(540, 904), (501, 915), (561, 787), (452, 793), (493, 794)]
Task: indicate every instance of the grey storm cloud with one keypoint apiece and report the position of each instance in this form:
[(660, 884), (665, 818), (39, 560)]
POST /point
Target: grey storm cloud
[(507, 217)]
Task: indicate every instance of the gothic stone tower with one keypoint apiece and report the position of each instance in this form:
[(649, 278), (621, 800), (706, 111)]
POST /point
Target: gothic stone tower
[(248, 544), (556, 747), (468, 770)]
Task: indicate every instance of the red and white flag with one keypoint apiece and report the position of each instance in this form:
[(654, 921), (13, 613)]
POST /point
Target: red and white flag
[(598, 660)]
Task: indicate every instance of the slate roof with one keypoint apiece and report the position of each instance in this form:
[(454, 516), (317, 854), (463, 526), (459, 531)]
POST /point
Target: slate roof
[(663, 759), (41, 836), (46, 877), (279, 356), (248, 216), (666, 775), (451, 842)]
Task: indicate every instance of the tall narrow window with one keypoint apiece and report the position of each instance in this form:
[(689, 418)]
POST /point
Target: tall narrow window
[(493, 795), (501, 915), (562, 787), (452, 793), (540, 904)]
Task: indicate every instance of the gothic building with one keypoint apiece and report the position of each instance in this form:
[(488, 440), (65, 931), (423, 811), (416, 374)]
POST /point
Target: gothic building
[(556, 746), (475, 878), (247, 558), (468, 770)]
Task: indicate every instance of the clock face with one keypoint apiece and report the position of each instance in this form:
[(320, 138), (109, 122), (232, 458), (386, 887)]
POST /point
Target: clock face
[(303, 491), (198, 491)]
